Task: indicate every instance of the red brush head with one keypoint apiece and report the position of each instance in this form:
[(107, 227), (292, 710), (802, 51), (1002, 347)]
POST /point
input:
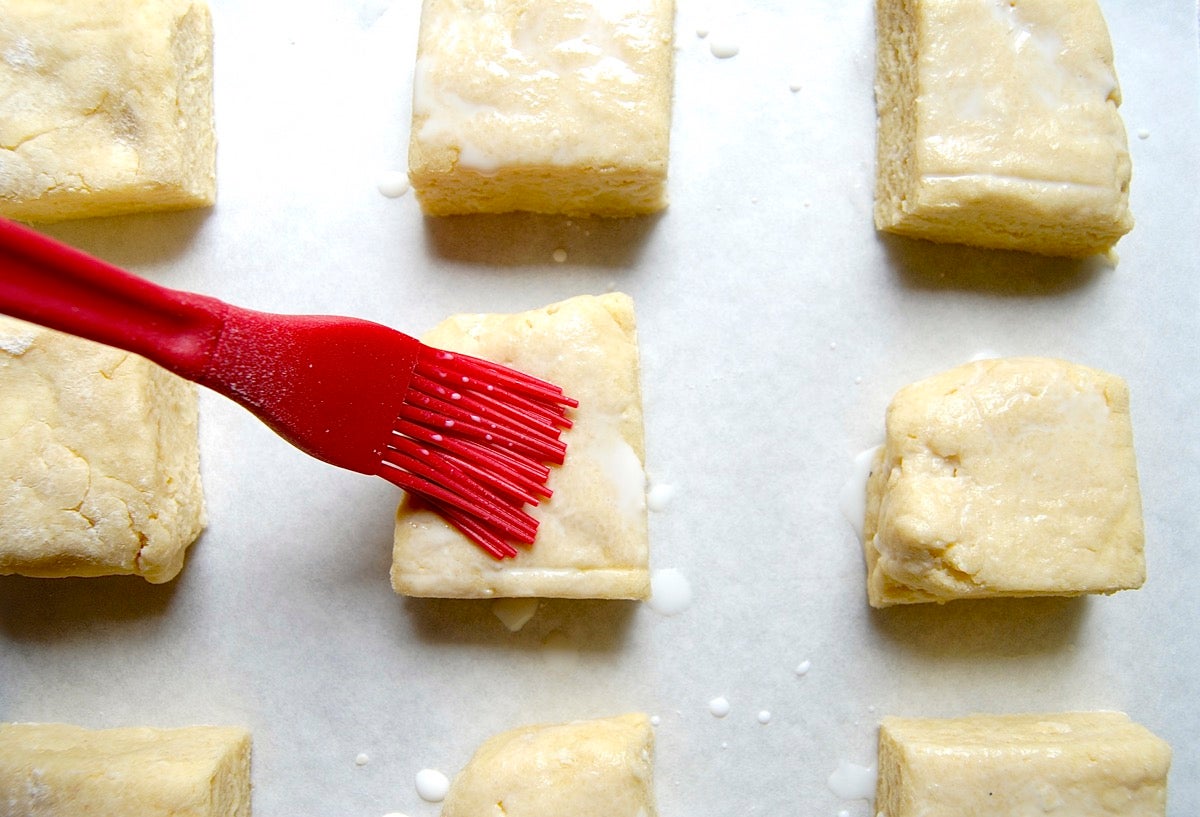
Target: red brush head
[(472, 441)]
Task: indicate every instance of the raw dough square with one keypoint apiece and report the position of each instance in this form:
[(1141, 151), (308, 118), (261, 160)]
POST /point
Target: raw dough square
[(1011, 477), (99, 459), (596, 768), (1074, 764), (105, 108), (58, 769), (998, 125), (592, 538), (551, 106)]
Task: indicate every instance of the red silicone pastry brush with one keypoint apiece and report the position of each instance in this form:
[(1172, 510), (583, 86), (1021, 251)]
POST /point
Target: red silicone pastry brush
[(471, 438)]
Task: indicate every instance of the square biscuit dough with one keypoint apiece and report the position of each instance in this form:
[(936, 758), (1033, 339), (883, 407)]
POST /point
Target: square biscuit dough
[(60, 769), (998, 125), (591, 768), (105, 108), (592, 535), (99, 460), (550, 106), (1073, 764), (1008, 477)]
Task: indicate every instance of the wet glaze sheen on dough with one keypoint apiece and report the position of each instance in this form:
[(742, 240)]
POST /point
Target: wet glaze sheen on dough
[(592, 535)]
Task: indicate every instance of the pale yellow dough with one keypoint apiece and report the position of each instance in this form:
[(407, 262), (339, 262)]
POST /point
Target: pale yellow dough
[(105, 107), (54, 769), (1072, 764), (99, 460), (552, 106), (596, 768), (592, 538), (998, 125), (1010, 477)]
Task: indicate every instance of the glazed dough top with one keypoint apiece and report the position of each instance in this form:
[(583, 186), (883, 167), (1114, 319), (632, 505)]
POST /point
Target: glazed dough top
[(545, 82), (592, 534), (1020, 91)]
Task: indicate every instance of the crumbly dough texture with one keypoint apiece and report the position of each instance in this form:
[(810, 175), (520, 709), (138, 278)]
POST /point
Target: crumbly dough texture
[(592, 536), (60, 769), (99, 459), (105, 108), (594, 768), (1073, 764), (552, 106), (998, 125), (1009, 477)]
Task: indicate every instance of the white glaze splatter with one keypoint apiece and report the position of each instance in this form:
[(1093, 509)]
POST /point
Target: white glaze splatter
[(850, 781), (432, 785), (659, 496), (719, 707), (853, 498), (393, 183), (723, 48), (514, 613), (764, 716), (670, 592), (362, 760), (16, 345), (803, 667)]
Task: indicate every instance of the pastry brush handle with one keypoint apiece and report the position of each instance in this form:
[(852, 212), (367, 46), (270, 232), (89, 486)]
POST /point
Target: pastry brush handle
[(49, 283)]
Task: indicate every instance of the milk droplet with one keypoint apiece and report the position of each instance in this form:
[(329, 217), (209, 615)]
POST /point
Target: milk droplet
[(723, 48), (670, 592), (514, 613), (764, 716), (843, 813), (850, 781), (853, 498), (719, 707), (432, 785), (393, 183), (362, 760), (1143, 134), (702, 31), (559, 255), (803, 667), (655, 720), (794, 86), (659, 496)]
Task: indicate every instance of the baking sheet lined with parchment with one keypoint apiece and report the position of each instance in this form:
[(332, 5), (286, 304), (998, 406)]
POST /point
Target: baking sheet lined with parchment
[(775, 325)]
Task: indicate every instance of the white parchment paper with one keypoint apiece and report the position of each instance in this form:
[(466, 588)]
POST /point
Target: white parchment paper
[(775, 326)]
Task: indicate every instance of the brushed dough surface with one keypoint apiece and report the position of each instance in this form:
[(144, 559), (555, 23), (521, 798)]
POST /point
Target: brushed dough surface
[(592, 537), (998, 125), (552, 106)]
